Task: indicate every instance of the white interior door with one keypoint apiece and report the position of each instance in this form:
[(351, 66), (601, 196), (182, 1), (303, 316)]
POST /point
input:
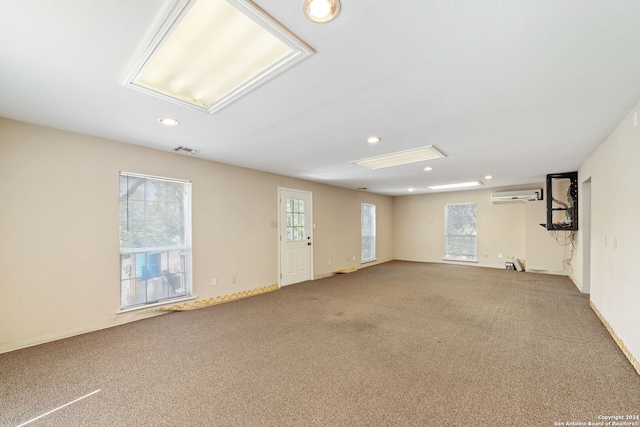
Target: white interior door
[(295, 240)]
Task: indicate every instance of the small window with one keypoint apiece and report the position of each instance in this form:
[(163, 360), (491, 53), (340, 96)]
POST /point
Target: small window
[(296, 223), (460, 231), (368, 232), (155, 239)]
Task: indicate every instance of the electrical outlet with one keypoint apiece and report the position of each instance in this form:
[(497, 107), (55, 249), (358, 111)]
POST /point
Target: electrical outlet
[(486, 255), (353, 258), (234, 279), (329, 262), (500, 255), (214, 281)]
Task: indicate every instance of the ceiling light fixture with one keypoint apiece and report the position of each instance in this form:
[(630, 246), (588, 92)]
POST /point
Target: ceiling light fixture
[(428, 168), (208, 53), (168, 121), (321, 11), (488, 177), (400, 158), (373, 140), (458, 185)]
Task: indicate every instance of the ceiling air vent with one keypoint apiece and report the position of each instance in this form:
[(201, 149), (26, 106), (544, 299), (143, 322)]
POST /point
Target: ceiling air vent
[(185, 150)]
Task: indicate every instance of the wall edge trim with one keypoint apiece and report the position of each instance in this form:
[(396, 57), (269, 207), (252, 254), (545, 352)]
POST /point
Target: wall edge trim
[(634, 362), (69, 333)]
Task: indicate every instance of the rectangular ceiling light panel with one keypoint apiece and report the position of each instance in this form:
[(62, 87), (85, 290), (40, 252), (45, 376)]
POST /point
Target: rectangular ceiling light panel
[(208, 53), (401, 158), (457, 185)]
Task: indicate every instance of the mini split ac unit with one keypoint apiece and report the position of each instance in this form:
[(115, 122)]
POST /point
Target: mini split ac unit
[(516, 196)]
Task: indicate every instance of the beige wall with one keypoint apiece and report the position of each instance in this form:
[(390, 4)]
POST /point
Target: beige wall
[(615, 232), (512, 230), (546, 251), (59, 257), (59, 230)]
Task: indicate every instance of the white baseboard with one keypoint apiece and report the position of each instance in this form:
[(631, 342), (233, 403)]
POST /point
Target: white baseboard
[(42, 339)]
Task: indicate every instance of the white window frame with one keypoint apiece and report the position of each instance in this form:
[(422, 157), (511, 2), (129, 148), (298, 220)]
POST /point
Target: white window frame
[(471, 233), (170, 263), (368, 236)]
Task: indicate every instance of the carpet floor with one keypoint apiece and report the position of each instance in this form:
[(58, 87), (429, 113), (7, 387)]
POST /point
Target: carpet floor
[(397, 344)]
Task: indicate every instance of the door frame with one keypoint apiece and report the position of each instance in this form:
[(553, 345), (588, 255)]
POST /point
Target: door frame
[(585, 217), (281, 230)]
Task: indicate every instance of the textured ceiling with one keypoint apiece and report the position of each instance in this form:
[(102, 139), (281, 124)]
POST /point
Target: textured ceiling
[(512, 89)]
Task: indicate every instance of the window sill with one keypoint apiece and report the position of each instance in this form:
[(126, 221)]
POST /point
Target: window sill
[(156, 304), (368, 261), (461, 260)]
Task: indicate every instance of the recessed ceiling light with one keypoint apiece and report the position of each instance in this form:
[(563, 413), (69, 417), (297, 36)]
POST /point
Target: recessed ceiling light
[(400, 158), (458, 185), (321, 11), (410, 190), (488, 177), (168, 121), (373, 140), (428, 168), (208, 53)]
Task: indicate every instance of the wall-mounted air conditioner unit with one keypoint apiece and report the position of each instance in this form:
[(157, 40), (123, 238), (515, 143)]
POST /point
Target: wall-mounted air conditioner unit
[(516, 196)]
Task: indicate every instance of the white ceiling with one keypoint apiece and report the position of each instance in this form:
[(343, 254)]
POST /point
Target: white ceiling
[(512, 89)]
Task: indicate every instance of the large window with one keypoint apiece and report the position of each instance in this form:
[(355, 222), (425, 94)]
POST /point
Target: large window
[(368, 232), (460, 231), (155, 239)]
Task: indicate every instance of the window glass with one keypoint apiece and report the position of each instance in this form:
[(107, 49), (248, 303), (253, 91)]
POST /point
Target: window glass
[(295, 220), (155, 239), (368, 232), (460, 231)]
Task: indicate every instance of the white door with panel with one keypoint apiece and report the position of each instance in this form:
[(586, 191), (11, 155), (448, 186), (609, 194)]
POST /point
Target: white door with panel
[(295, 240)]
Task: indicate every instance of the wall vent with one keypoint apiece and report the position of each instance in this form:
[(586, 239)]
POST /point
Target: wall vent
[(186, 150)]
